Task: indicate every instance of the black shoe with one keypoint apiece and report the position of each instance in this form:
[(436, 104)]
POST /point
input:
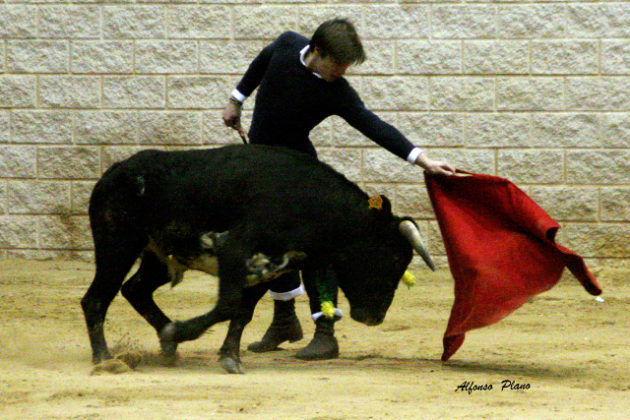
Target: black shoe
[(284, 327), (324, 345)]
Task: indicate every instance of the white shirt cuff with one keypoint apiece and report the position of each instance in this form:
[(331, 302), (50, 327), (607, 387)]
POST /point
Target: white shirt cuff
[(238, 96), (413, 155)]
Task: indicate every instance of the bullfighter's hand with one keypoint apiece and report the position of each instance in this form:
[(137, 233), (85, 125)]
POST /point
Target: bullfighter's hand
[(434, 167), (232, 115)]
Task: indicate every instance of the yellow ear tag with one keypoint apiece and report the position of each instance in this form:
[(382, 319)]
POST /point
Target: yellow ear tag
[(409, 279), (376, 202), (328, 309)]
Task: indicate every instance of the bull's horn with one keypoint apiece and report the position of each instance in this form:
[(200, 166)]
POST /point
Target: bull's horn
[(411, 232)]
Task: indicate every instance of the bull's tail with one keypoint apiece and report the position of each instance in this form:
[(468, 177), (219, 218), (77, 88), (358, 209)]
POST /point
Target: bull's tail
[(118, 241), (115, 204)]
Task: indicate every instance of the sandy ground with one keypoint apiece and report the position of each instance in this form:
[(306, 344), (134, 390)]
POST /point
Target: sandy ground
[(568, 354)]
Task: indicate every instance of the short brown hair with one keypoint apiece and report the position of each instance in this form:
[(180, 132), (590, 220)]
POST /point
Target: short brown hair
[(338, 38)]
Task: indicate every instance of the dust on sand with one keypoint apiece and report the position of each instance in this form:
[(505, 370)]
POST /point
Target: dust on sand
[(563, 355)]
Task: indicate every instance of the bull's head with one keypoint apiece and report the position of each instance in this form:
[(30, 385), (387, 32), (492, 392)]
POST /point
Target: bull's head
[(369, 269)]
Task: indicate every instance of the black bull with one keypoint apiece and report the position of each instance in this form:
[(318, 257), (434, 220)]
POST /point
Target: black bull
[(248, 213)]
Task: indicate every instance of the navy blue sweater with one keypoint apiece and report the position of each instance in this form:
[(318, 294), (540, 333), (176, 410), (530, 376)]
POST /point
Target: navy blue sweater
[(291, 101)]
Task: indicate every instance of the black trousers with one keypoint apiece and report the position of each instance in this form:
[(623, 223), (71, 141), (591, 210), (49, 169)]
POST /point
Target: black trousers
[(311, 278)]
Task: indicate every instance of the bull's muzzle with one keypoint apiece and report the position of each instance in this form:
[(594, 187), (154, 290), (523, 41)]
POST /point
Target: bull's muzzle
[(367, 316), (410, 231)]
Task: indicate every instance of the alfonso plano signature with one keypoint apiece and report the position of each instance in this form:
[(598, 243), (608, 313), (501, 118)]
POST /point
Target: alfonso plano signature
[(505, 385)]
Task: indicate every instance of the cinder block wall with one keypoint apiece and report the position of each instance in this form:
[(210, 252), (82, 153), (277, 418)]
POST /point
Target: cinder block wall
[(538, 92)]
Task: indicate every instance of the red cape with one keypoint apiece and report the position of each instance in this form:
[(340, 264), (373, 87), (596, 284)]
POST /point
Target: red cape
[(501, 250)]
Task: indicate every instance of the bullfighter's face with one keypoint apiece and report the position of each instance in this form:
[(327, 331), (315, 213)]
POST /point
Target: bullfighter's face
[(329, 69)]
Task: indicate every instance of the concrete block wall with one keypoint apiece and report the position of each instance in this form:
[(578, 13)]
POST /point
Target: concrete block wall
[(538, 92)]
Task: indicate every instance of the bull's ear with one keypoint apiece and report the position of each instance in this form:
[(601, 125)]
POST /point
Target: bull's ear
[(380, 204)]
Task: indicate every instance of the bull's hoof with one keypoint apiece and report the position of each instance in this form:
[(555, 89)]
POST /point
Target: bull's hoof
[(231, 365), (168, 359), (101, 357), (168, 344), (114, 366)]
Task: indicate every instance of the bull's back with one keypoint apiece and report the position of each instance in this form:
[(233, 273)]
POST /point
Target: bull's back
[(217, 188)]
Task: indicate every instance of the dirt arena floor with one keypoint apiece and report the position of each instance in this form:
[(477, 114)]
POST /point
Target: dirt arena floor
[(563, 355)]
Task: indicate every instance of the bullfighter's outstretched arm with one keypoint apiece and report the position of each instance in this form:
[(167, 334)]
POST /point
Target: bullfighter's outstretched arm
[(353, 110)]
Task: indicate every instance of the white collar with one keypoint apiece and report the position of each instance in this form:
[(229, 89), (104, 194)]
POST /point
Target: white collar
[(303, 57)]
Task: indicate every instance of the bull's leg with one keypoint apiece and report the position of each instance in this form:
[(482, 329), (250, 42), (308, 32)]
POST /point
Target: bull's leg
[(232, 274), (230, 350), (138, 290), (113, 262)]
